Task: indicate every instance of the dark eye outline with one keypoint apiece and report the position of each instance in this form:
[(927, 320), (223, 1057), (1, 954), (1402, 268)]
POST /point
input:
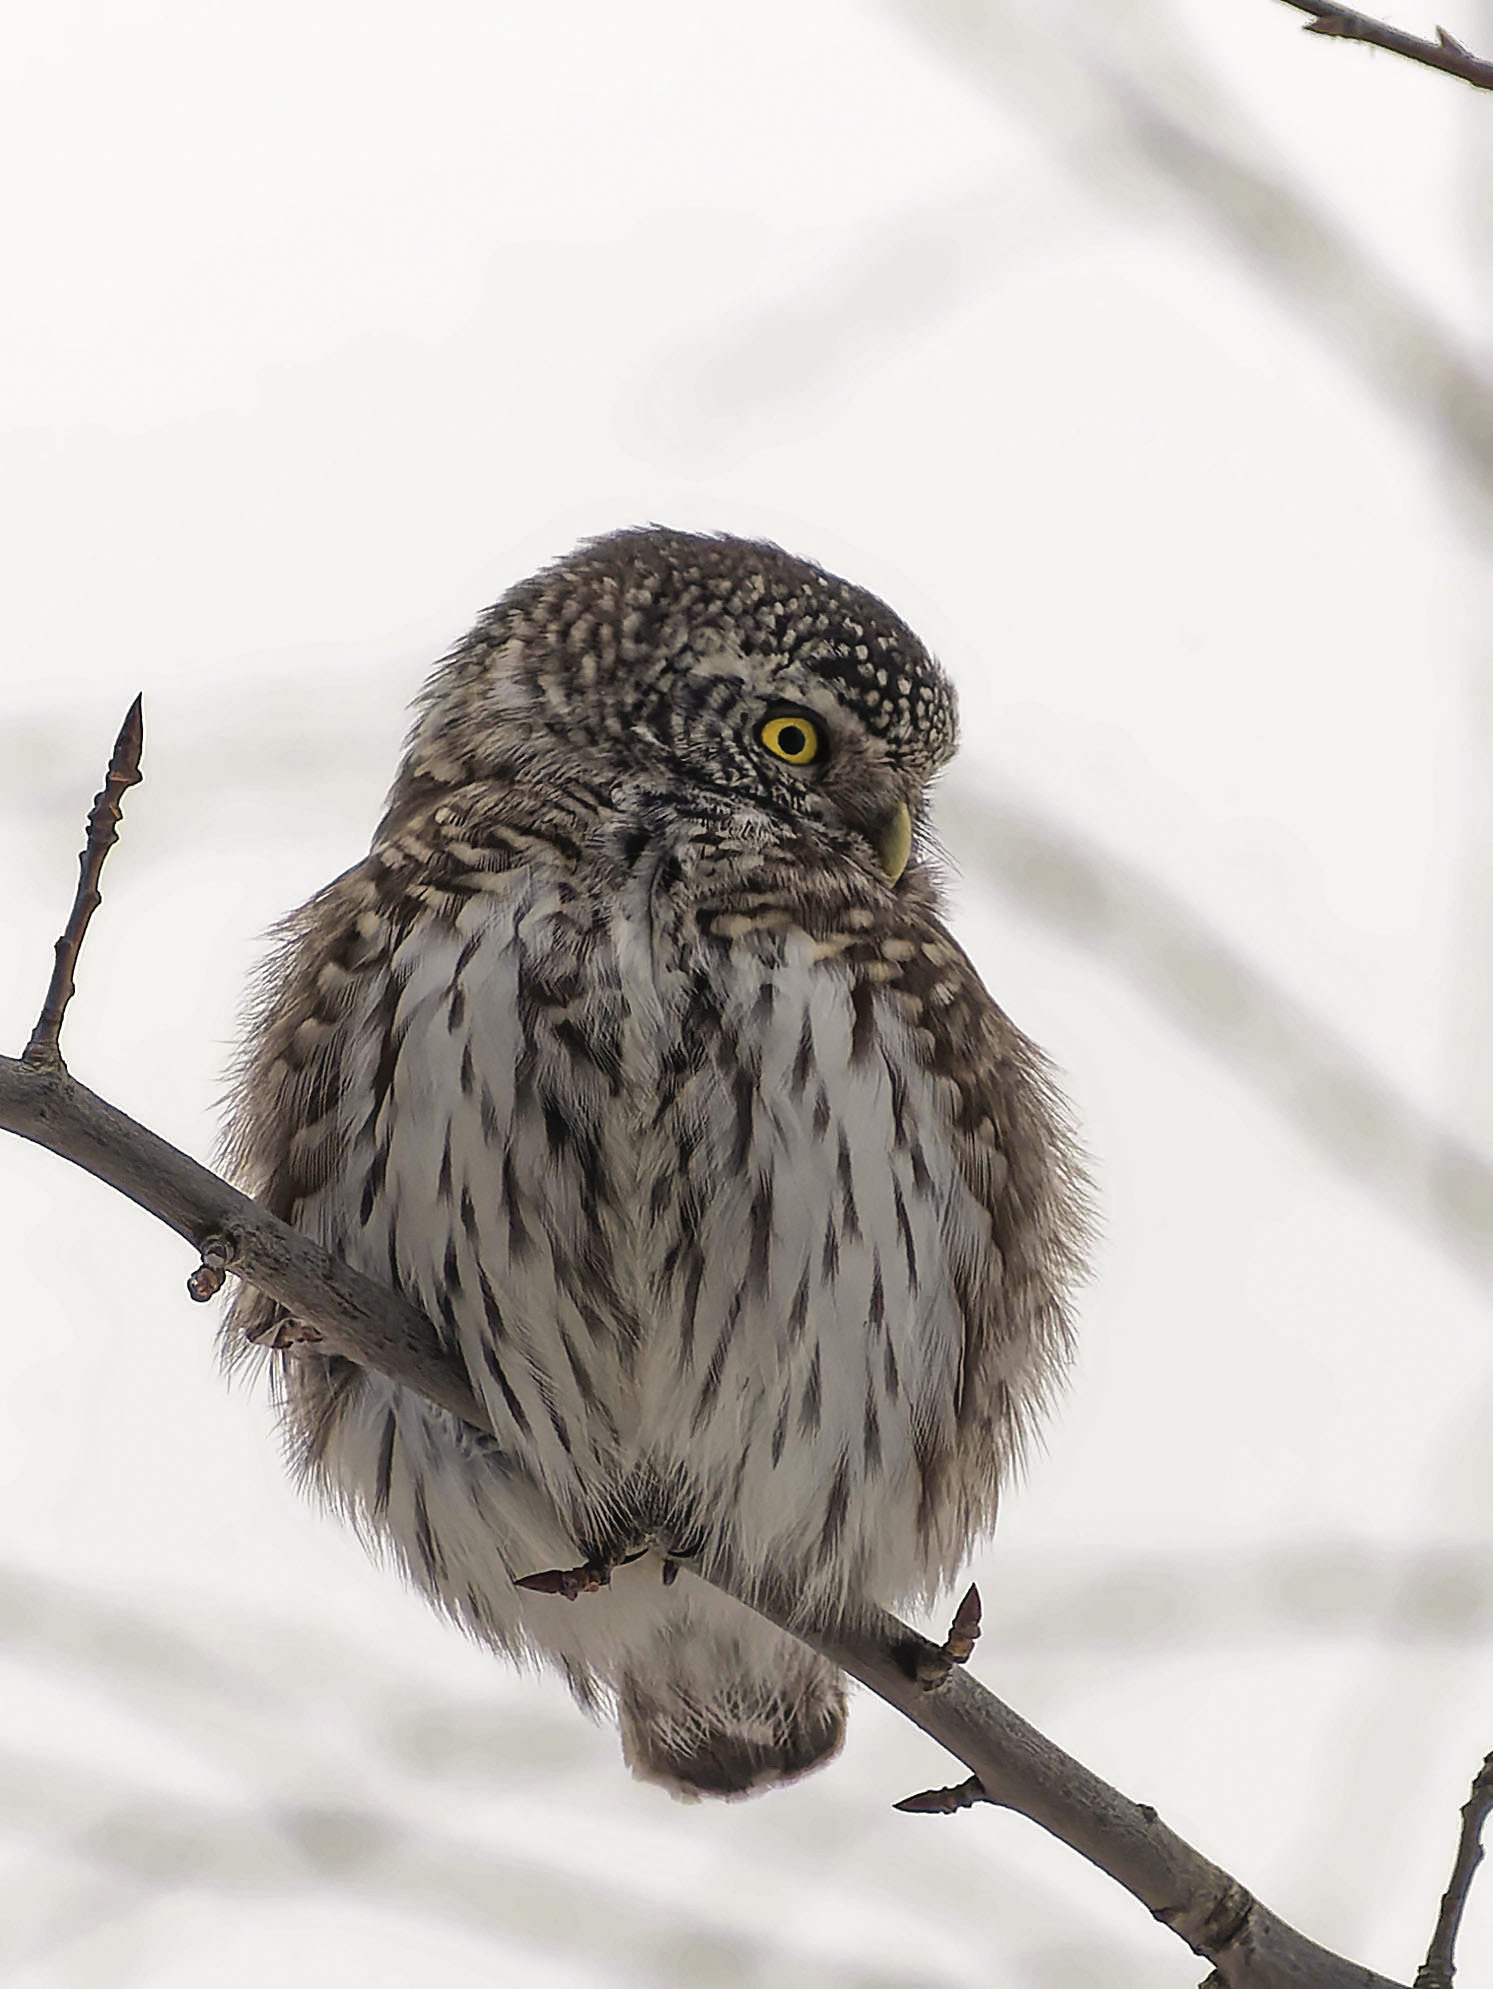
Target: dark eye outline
[(811, 726)]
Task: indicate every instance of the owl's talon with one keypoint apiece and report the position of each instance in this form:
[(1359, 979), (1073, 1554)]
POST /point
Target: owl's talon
[(944, 1802), (280, 1334), (569, 1582)]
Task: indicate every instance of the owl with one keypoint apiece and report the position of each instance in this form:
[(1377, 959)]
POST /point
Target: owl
[(636, 1054)]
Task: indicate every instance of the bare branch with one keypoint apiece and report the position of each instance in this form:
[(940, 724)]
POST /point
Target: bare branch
[(103, 832), (1019, 1768), (1439, 1966), (1444, 53), (944, 1802), (1193, 140), (1010, 1762), (349, 1310), (1014, 1764)]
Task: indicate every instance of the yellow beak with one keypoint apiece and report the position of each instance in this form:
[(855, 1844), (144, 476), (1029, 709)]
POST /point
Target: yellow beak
[(894, 842)]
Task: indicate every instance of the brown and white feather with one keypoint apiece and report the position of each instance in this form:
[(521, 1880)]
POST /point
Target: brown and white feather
[(695, 1135)]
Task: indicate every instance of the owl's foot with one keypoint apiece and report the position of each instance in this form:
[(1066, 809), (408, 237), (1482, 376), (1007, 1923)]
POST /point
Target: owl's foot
[(278, 1334), (943, 1802), (569, 1582), (934, 1666), (584, 1580)]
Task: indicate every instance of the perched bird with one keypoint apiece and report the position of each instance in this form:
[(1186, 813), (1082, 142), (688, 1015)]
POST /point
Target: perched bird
[(636, 1053)]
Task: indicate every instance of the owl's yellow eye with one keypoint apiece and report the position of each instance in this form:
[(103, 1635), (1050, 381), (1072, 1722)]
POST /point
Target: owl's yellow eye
[(791, 736)]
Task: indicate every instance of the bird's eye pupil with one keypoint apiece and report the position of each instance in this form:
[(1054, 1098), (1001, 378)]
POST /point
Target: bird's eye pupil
[(791, 740)]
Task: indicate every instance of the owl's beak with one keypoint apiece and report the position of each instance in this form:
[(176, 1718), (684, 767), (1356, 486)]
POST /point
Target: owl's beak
[(894, 842)]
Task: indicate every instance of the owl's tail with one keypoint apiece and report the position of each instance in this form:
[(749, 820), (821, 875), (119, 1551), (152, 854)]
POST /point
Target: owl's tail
[(712, 1709)]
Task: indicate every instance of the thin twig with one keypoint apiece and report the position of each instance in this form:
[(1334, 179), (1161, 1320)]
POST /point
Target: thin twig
[(45, 1049), (944, 1802), (1445, 52), (51, 1108), (1440, 1963), (964, 1631), (957, 1647), (1190, 139)]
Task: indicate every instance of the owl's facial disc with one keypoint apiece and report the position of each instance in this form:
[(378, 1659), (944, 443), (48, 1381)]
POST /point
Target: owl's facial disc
[(711, 673)]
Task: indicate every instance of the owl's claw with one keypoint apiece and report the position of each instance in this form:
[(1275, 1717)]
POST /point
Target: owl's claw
[(569, 1582), (934, 1666), (943, 1802), (278, 1334), (584, 1580)]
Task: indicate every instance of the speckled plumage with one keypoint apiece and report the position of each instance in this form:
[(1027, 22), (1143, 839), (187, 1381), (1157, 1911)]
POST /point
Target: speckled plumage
[(751, 1216)]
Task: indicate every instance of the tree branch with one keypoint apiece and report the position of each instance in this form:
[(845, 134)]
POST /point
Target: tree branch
[(354, 1316), (1439, 1966), (350, 1315), (104, 818), (1116, 104), (1015, 1765), (1445, 52)]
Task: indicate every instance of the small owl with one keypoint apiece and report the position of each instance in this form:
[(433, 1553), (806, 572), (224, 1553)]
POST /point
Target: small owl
[(637, 1055)]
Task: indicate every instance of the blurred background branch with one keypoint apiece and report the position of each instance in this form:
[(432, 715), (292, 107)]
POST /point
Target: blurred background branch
[(1445, 53), (1422, 1171), (1115, 97)]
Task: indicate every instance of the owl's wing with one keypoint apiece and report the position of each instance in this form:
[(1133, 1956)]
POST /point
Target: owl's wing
[(285, 1132), (1005, 1134), (426, 1090)]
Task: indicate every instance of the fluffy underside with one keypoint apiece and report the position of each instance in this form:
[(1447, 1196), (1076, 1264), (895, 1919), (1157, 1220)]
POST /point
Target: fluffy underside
[(697, 1222)]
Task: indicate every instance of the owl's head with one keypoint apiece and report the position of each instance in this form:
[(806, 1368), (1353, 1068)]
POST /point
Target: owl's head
[(715, 670)]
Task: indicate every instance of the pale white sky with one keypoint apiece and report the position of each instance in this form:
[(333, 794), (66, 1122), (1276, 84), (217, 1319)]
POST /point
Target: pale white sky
[(324, 324)]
